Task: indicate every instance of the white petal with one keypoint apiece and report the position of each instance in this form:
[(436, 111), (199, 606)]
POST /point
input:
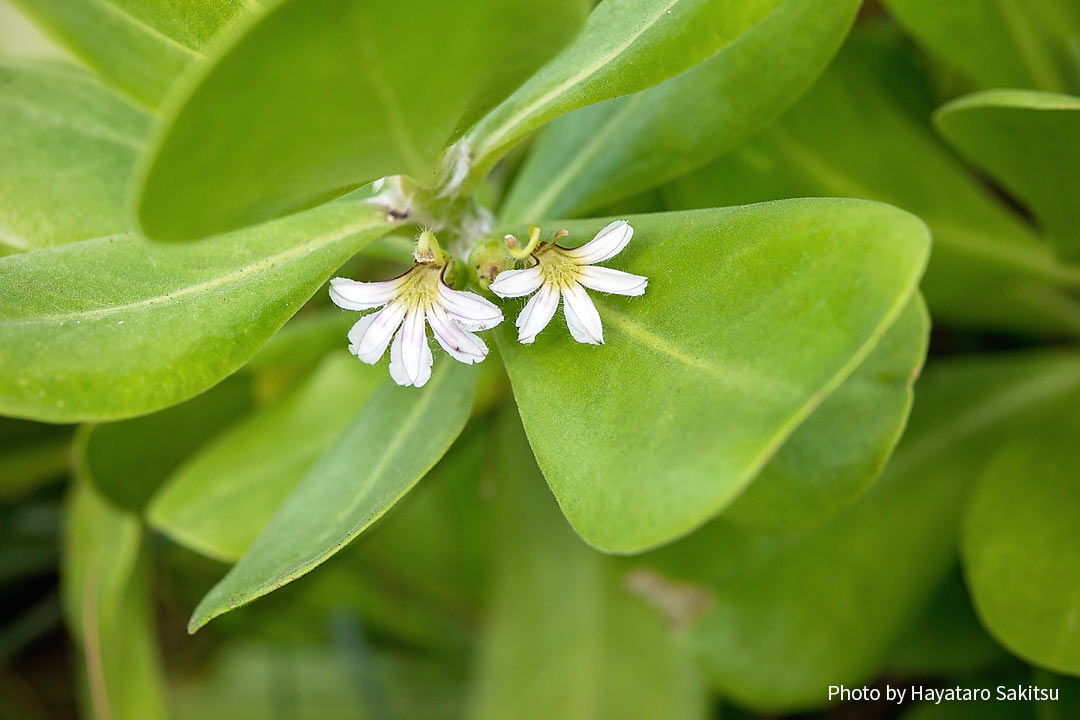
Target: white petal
[(612, 281), (471, 311), (353, 295), (413, 342), (459, 344), (518, 283), (581, 316), (537, 313), (356, 332), (397, 366), (608, 243), (370, 346)]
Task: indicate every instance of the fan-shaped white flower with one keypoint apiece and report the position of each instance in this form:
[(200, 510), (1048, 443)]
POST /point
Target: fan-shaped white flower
[(561, 272), (408, 301)]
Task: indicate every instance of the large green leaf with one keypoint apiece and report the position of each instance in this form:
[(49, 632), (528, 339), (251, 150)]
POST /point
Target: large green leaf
[(140, 47), (625, 46), (120, 326), (565, 638), (1022, 546), (396, 438), (221, 498), (67, 146), (1029, 141), (651, 435), (620, 147), (792, 615), (841, 449), (322, 95), (1003, 43), (852, 136)]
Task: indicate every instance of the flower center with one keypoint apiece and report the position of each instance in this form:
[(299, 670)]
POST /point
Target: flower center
[(421, 288), (558, 269)]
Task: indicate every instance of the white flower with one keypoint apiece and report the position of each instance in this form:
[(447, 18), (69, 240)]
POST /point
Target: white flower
[(407, 302), (559, 271)]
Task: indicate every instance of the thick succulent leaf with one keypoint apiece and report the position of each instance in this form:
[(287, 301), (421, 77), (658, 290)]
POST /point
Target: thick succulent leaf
[(841, 449), (107, 603), (67, 146), (120, 326), (139, 47), (852, 136), (608, 151), (1029, 141), (1005, 43), (221, 498), (565, 637), (625, 46), (1022, 546), (396, 438), (707, 356), (351, 97), (792, 615)]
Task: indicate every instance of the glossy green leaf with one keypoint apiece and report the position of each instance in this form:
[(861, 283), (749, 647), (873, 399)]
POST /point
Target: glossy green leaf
[(852, 136), (625, 46), (119, 326), (603, 153), (1022, 546), (792, 615), (1028, 141), (707, 351), (841, 449), (565, 637), (222, 497), (67, 147), (1004, 43), (317, 96), (396, 438), (140, 47)]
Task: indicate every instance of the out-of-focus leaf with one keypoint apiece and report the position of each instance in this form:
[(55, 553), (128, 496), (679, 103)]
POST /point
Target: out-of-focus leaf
[(317, 96), (706, 356), (220, 499), (626, 145), (1069, 705), (140, 47), (396, 438), (840, 450), (1028, 141), (794, 614), (67, 146), (31, 454), (116, 327), (565, 638), (1004, 43), (852, 136), (19, 38), (1021, 546)]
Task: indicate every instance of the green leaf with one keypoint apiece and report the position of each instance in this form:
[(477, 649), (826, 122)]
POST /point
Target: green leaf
[(1021, 546), (120, 326), (140, 47), (1005, 43), (603, 153), (1028, 141), (221, 498), (706, 357), (625, 46), (394, 440), (317, 96), (565, 638), (67, 146), (841, 449), (31, 454), (852, 136), (792, 615)]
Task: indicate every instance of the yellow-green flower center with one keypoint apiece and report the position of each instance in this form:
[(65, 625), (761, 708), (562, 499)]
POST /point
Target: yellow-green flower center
[(421, 288), (558, 269)]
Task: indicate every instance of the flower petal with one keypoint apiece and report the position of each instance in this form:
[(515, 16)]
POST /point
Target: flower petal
[(469, 310), (371, 345), (353, 295), (356, 332), (397, 366), (518, 283), (459, 344), (413, 342), (537, 313), (607, 243), (612, 281), (581, 315)]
